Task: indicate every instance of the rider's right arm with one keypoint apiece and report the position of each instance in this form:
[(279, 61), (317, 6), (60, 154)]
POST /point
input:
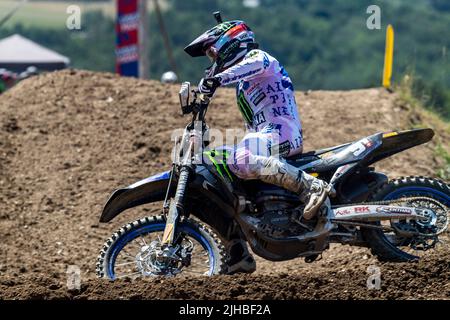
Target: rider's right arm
[(255, 63)]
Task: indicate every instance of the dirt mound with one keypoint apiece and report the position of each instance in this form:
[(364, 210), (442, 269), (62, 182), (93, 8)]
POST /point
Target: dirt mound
[(67, 139), (427, 279)]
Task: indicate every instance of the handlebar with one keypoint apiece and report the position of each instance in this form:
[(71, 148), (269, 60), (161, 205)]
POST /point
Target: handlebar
[(198, 106)]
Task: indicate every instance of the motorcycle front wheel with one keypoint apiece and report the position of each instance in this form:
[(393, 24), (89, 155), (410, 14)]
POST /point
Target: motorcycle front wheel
[(135, 250)]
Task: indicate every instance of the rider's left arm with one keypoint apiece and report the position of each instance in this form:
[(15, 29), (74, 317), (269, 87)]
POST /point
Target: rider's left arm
[(255, 63)]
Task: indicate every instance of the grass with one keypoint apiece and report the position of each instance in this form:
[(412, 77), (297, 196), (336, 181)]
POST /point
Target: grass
[(444, 172), (44, 14), (421, 117), (52, 14)]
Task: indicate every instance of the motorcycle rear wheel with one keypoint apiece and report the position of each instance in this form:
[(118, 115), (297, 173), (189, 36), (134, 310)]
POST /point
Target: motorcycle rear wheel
[(379, 242)]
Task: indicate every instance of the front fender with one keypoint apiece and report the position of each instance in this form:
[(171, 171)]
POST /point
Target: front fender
[(148, 190)]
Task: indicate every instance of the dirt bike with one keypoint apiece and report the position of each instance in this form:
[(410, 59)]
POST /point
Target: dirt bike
[(205, 206)]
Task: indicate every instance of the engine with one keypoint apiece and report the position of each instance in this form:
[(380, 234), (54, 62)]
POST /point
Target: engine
[(279, 213)]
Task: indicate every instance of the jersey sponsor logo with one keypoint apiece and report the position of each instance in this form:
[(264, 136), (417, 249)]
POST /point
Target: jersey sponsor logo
[(257, 96), (245, 108), (272, 127), (281, 149), (242, 76), (259, 118), (271, 89), (266, 62), (253, 54), (276, 91), (254, 93), (280, 111), (260, 97), (284, 98), (250, 89), (296, 142)]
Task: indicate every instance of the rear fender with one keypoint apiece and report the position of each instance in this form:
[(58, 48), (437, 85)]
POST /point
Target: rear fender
[(395, 142), (357, 187), (148, 190)]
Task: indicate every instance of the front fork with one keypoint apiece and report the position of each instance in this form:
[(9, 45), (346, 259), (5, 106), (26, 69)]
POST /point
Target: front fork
[(176, 208), (187, 168)]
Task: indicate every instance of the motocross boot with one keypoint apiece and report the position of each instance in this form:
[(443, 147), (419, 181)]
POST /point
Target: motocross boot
[(312, 191), (241, 260)]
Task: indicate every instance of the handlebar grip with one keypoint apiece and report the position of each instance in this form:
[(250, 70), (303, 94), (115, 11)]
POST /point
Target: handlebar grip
[(205, 99)]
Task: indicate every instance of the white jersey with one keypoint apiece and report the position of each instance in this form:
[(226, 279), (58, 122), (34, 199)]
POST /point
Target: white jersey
[(265, 92)]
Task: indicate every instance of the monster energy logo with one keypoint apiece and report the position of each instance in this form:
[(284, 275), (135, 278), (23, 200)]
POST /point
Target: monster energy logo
[(225, 26), (245, 108), (217, 158)]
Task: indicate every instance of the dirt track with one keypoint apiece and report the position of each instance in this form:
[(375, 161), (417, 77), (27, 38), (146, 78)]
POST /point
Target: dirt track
[(68, 139)]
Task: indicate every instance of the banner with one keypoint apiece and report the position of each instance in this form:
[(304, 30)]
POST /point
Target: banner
[(127, 38)]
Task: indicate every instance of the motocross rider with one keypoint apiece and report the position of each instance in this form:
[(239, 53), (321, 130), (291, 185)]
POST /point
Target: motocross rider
[(266, 100)]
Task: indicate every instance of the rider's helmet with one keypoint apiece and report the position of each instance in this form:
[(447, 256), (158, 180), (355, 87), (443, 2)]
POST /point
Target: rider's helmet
[(225, 45)]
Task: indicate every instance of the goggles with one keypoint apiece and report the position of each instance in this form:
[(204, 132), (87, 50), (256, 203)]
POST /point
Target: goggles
[(212, 53)]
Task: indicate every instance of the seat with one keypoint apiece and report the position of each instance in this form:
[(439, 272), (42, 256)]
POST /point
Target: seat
[(315, 153), (299, 160), (301, 155)]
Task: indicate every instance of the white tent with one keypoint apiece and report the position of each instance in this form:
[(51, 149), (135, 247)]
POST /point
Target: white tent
[(17, 53)]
